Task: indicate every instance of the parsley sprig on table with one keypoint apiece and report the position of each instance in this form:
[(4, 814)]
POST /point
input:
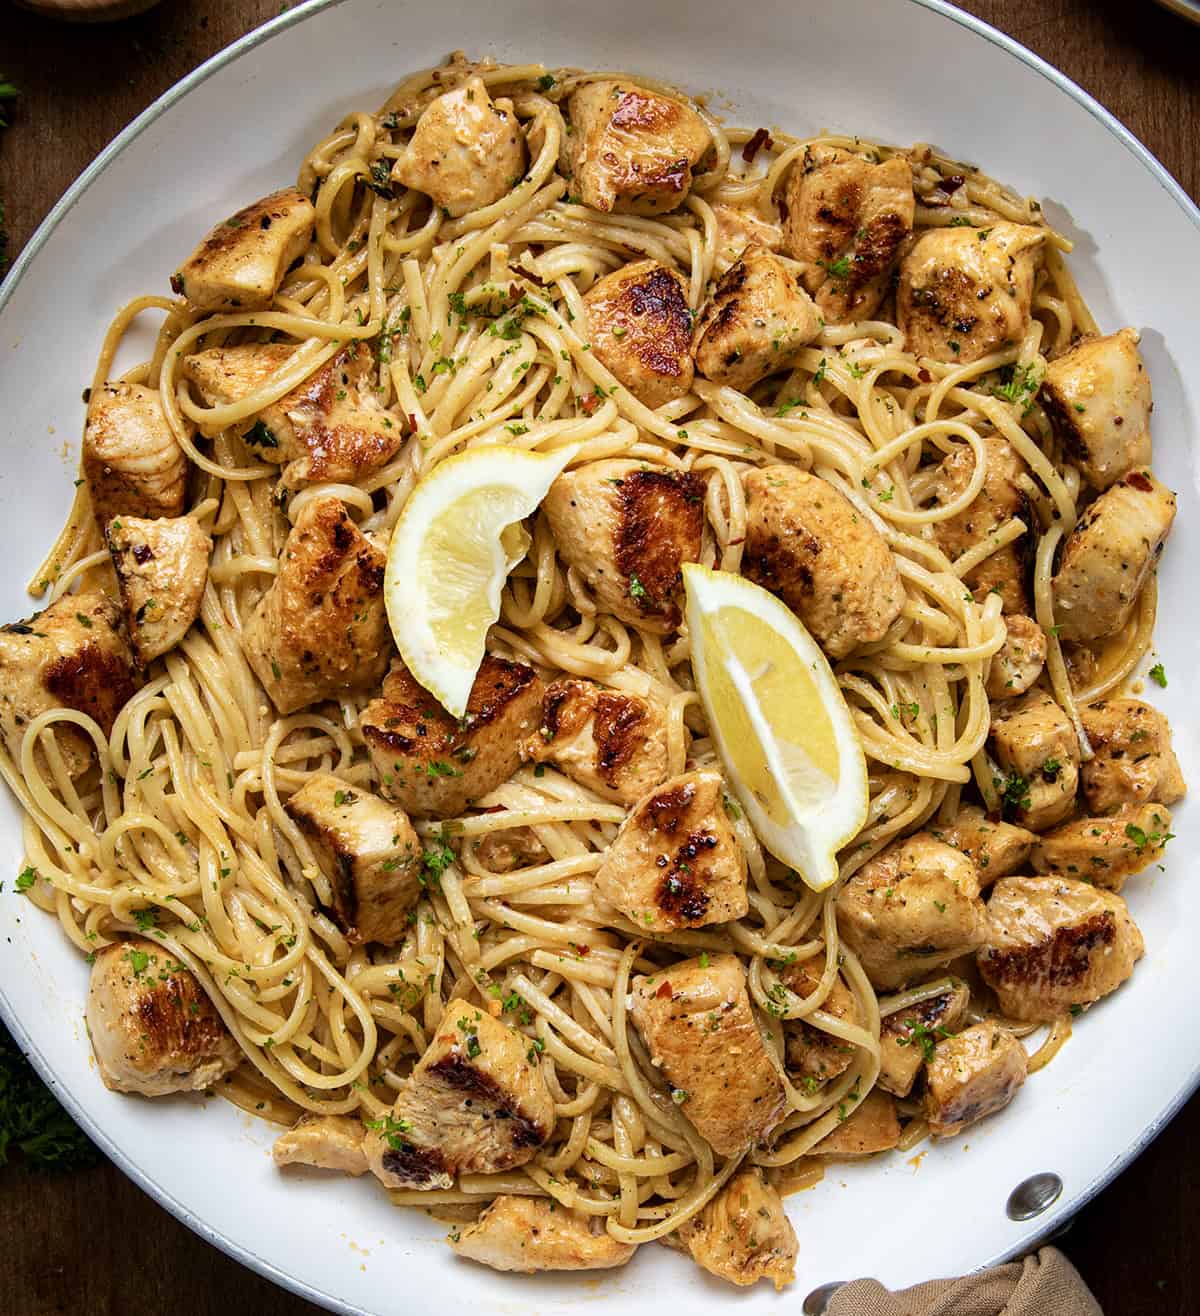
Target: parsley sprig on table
[(31, 1119)]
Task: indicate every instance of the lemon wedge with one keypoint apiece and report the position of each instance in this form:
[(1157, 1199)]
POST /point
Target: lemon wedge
[(782, 727), (458, 537)]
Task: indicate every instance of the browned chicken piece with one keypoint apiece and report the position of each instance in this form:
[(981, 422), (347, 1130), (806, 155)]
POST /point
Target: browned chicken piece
[(998, 848), (132, 461), (867, 1127), (1036, 746), (436, 765), (1132, 760), (965, 292), (806, 543), (241, 263), (813, 1055), (152, 1028), (367, 849), (676, 862), (529, 1234), (1109, 555), (1000, 499), (737, 228), (743, 1235), (73, 654), (320, 631), (848, 219), (511, 848), (476, 1102), (913, 907), (696, 1021), (1054, 942), (612, 742), (332, 427), (162, 569), (907, 1037), (1105, 851), (971, 1076), (640, 328), (1098, 400), (1020, 660), (632, 149), (756, 322), (466, 151), (628, 528), (329, 1142)]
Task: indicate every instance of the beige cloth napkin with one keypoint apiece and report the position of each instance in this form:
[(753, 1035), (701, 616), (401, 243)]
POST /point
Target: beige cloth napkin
[(1042, 1285)]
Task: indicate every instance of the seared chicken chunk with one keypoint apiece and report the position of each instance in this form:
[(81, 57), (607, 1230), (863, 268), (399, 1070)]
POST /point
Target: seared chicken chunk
[(743, 1235), (330, 1142), (1105, 851), (1053, 943), (73, 654), (632, 149), (132, 461), (848, 218), (813, 1055), (756, 321), (676, 862), (971, 1076), (162, 569), (1132, 760), (641, 329), (152, 1028), (912, 908), (965, 292), (241, 263), (528, 1234), (612, 742), (510, 848), (1107, 558), (476, 1102), (1036, 745), (436, 765), (998, 848), (627, 528), (866, 1128), (1098, 400), (320, 631), (367, 849), (907, 1037), (696, 1021), (737, 228), (466, 152), (806, 543), (1020, 660)]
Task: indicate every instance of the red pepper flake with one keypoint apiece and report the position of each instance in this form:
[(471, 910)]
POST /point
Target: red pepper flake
[(952, 184), (1139, 481), (583, 950), (664, 991), (760, 139), (590, 404), (924, 376), (412, 421), (494, 808), (514, 292)]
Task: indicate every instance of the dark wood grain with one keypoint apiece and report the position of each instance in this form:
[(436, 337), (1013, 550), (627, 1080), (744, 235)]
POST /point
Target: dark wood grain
[(93, 1243)]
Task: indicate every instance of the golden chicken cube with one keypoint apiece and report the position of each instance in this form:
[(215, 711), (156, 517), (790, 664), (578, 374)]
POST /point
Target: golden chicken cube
[(328, 1142), (528, 1234), (806, 543), (913, 907), (907, 1037), (466, 151), (997, 847), (676, 862), (73, 654), (866, 1127), (756, 322), (1054, 942), (152, 1028), (971, 1076), (966, 292), (1019, 663), (320, 631), (369, 852), (241, 263), (743, 1235), (632, 149), (698, 1025), (813, 1055), (738, 228), (848, 219), (435, 765), (1109, 555), (132, 461), (628, 528), (1098, 400), (1132, 760), (610, 741), (1036, 746), (477, 1102), (162, 569), (640, 328), (1105, 851)]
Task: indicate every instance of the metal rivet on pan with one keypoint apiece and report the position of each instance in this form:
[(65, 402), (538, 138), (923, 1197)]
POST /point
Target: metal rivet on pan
[(1031, 1197), (818, 1299)]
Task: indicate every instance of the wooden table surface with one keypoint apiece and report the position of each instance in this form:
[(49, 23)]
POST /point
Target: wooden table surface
[(92, 1243)]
